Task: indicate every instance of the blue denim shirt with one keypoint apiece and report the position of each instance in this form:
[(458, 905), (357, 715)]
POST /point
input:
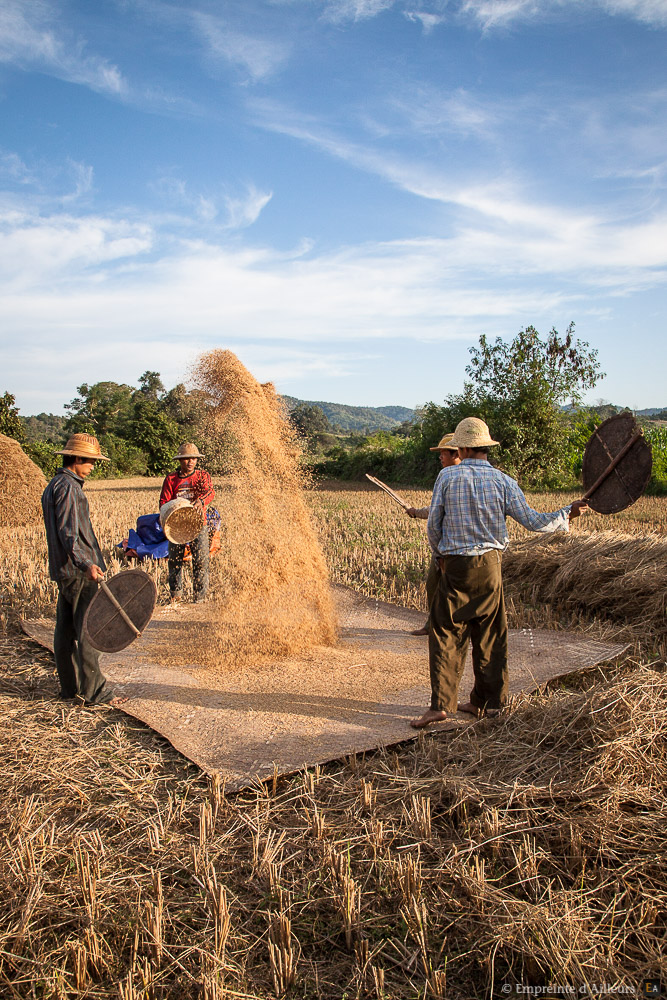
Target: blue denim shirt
[(73, 547)]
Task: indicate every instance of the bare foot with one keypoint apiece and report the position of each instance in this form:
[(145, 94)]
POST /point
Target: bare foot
[(429, 716), (479, 713), (420, 631)]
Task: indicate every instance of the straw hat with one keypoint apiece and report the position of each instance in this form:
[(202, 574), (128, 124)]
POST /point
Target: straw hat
[(83, 446), (472, 433), (445, 443), (188, 450)]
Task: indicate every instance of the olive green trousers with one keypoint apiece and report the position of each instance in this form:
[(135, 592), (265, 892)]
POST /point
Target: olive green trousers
[(468, 606)]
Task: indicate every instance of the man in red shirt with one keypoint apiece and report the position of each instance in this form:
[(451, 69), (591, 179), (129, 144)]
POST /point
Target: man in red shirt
[(192, 484)]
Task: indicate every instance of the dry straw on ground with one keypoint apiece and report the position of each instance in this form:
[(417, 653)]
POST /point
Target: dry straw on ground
[(526, 851), (529, 850), (618, 576), (21, 486), (271, 586)]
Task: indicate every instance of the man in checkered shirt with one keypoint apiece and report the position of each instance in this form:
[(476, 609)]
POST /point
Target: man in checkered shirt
[(468, 533)]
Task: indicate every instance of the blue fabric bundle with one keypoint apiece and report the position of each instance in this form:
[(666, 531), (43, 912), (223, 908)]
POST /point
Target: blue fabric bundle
[(149, 539)]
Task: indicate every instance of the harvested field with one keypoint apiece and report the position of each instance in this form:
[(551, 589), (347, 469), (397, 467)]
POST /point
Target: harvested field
[(528, 850)]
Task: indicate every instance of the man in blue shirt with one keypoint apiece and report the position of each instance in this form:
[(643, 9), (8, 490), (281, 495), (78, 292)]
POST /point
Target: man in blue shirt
[(467, 531)]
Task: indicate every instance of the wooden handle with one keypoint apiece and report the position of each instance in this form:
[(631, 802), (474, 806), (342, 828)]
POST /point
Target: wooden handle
[(388, 490), (126, 618), (612, 465)]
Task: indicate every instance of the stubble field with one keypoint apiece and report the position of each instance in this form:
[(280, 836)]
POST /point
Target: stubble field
[(524, 851)]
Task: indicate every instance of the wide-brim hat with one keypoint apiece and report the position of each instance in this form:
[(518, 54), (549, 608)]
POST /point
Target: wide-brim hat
[(188, 450), (446, 442), (471, 432), (83, 446)]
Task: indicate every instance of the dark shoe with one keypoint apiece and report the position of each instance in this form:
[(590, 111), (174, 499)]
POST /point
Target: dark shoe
[(420, 631)]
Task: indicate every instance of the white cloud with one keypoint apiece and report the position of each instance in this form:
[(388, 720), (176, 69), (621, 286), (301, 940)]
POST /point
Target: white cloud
[(497, 211), (29, 39), (225, 210), (427, 21), (83, 180), (259, 57), (242, 212), (36, 251), (493, 13), (355, 10), (121, 294)]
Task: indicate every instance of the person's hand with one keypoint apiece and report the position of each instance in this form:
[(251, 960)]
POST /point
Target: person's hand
[(578, 507), (95, 573), (411, 511)]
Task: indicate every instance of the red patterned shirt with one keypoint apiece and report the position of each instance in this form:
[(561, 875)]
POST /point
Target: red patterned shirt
[(198, 486)]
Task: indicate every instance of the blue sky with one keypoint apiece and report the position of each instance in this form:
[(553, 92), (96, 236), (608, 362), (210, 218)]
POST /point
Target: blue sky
[(346, 193)]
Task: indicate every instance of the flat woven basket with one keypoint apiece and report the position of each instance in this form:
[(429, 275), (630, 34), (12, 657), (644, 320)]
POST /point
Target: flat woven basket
[(181, 521)]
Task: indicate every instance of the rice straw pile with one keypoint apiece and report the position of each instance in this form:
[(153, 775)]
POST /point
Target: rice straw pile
[(617, 576), (271, 586), (21, 486)]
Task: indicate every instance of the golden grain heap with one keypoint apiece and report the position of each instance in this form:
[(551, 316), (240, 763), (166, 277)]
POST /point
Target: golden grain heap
[(21, 486), (270, 586)]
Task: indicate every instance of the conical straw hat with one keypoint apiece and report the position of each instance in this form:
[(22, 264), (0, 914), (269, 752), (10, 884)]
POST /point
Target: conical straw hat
[(83, 446), (446, 442), (188, 450), (472, 432)]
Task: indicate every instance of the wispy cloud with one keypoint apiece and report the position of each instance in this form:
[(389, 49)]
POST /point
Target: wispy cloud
[(427, 21), (242, 212), (355, 10), (490, 14), (497, 13), (142, 289), (36, 250), (30, 39), (222, 208), (54, 183), (257, 56)]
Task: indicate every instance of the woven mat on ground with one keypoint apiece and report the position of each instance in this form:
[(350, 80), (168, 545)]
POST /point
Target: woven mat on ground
[(286, 714)]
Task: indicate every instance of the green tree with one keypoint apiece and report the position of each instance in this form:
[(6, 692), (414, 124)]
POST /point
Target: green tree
[(100, 409), (155, 433), (308, 420), (519, 388), (10, 422), (187, 409), (151, 386)]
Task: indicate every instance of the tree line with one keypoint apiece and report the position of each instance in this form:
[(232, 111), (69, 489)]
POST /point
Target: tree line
[(529, 391), (139, 428)]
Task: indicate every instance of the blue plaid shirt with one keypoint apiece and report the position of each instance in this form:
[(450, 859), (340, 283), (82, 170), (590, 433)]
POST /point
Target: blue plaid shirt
[(469, 506)]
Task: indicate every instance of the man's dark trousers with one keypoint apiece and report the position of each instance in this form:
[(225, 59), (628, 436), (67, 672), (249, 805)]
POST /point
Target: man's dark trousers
[(468, 605), (77, 662), (199, 548)]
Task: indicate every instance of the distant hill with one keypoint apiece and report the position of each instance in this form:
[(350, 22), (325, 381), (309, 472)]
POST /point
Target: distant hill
[(44, 427), (357, 418), (609, 409), (653, 411)]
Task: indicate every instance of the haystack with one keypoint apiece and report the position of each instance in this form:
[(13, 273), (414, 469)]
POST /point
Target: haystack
[(606, 573), (21, 486)]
